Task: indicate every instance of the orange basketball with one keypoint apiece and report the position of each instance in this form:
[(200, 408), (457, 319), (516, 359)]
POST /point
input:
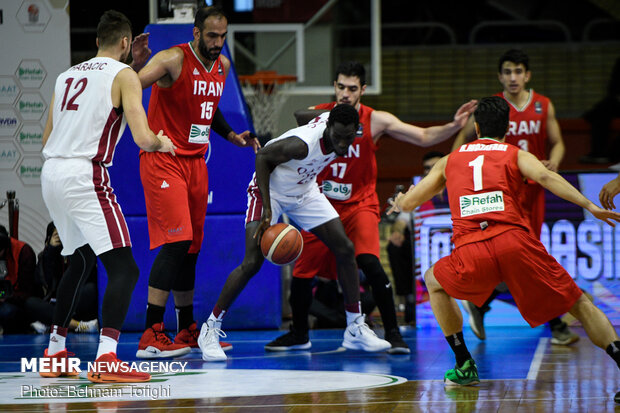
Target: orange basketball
[(281, 244)]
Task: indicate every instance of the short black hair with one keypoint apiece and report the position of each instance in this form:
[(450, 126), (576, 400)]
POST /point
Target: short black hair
[(345, 114), (112, 27), (204, 12), (492, 116), (352, 69), (432, 154), (515, 56)]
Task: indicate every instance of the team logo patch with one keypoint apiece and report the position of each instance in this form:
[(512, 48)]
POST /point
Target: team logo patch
[(199, 133), (337, 190), (538, 107), (196, 72), (481, 203)]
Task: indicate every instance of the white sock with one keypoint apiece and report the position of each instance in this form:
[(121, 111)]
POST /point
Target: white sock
[(106, 345), (216, 321), (351, 317), (57, 342)]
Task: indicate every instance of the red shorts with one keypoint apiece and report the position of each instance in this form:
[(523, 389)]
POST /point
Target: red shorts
[(176, 191), (533, 206), (540, 286), (361, 224)]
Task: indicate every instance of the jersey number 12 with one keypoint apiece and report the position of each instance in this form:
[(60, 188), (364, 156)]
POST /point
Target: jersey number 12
[(78, 89)]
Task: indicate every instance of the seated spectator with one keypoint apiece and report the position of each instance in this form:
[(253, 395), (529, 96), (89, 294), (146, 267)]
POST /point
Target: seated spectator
[(17, 267), (51, 266)]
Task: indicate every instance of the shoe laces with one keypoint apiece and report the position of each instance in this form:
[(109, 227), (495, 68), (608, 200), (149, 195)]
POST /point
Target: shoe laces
[(213, 333), (162, 337), (363, 328)]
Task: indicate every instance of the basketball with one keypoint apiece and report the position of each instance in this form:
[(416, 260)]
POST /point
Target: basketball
[(281, 244)]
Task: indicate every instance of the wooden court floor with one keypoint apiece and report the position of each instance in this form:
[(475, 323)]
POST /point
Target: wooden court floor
[(520, 371)]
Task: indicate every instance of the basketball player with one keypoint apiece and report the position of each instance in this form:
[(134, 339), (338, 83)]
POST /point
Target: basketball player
[(350, 185), (493, 240), (188, 81), (92, 103), (285, 182), (533, 127)]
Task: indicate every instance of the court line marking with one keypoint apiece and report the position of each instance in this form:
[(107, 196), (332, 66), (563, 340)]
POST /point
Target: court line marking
[(532, 374)]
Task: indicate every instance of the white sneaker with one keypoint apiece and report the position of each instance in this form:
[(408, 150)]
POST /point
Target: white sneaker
[(209, 342), (39, 327), (358, 336), (91, 326)]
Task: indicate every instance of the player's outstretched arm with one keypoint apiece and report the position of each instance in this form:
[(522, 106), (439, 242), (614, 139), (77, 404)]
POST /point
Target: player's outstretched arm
[(164, 67), (385, 122), (533, 169), (608, 192), (427, 188), (554, 134), (131, 102), (245, 139)]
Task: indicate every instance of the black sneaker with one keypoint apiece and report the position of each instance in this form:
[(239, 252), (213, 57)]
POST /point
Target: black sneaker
[(396, 340), (290, 341)]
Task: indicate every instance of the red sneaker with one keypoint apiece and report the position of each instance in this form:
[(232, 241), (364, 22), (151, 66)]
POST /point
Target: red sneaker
[(59, 373), (109, 369), (189, 337), (154, 343)]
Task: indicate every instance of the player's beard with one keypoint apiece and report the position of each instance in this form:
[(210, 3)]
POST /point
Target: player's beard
[(211, 54)]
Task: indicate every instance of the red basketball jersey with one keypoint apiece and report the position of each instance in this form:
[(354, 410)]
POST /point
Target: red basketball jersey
[(185, 110), (484, 185), (352, 178), (528, 125)]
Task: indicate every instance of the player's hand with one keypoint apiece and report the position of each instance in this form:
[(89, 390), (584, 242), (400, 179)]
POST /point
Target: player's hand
[(140, 51), (610, 217), (166, 143), (247, 138), (463, 113), (265, 222), (608, 192), (550, 165), (396, 238), (394, 203)]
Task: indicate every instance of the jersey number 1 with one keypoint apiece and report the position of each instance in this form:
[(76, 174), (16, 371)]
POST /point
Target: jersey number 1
[(79, 88), (477, 165)]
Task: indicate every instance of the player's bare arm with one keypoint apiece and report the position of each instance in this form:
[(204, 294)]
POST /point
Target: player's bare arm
[(384, 122), (608, 192), (49, 124), (127, 93), (533, 169), (554, 134), (164, 68), (427, 188), (465, 135), (303, 116), (266, 161)]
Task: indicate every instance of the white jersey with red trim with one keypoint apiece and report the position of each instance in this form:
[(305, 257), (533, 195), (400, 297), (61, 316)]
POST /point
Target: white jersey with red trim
[(85, 123), (298, 176)]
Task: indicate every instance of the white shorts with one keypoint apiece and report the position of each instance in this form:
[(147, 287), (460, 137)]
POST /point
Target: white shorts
[(308, 210), (80, 200)]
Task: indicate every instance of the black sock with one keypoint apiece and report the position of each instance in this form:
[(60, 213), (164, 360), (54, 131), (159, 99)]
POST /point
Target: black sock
[(457, 343), (487, 304), (556, 322), (185, 316), (300, 300), (614, 351), (154, 315)]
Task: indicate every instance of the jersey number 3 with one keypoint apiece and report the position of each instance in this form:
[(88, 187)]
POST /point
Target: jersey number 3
[(78, 88)]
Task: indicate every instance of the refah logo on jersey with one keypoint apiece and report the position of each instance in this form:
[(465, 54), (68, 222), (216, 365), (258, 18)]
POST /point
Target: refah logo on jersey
[(481, 203)]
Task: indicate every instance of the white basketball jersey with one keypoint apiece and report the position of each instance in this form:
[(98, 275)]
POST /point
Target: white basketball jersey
[(298, 176), (86, 125)]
